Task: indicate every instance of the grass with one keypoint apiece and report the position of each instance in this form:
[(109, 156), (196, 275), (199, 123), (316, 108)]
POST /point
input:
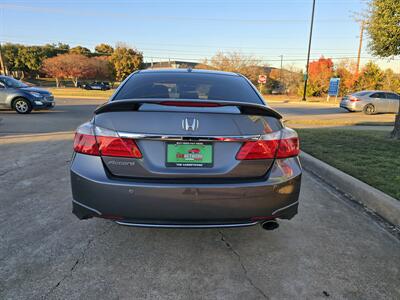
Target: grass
[(77, 92), (294, 98), (337, 122), (369, 156)]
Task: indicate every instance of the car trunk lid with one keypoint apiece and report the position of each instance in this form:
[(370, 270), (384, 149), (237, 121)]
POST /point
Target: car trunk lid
[(217, 130)]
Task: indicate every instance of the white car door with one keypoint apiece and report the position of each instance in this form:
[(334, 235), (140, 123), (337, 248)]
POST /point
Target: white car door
[(380, 102), (394, 102), (3, 94)]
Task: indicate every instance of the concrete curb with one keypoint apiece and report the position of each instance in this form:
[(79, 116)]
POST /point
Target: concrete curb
[(384, 205)]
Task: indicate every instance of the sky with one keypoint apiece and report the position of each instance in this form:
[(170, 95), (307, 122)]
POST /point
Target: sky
[(194, 29)]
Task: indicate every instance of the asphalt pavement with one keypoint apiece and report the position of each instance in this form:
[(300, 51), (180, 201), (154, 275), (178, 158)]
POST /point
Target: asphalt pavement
[(332, 249), (66, 116), (296, 111)]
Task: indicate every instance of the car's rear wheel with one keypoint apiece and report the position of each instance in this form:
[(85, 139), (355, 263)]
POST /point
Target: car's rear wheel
[(369, 109), (22, 106)]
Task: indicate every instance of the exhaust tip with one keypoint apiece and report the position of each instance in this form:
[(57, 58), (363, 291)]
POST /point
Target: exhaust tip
[(270, 225)]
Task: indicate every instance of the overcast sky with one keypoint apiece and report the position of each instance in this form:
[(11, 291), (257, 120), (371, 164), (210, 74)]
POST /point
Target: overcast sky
[(192, 30)]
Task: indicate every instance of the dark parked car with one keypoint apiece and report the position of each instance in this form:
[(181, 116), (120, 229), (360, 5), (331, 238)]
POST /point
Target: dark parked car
[(16, 95), (186, 148), (103, 86)]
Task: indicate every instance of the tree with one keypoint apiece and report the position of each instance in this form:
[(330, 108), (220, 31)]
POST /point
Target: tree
[(30, 59), (319, 72), (346, 71), (384, 31), (54, 67), (51, 50), (290, 78), (391, 81), (80, 50), (102, 68), (10, 54), (125, 61), (74, 67), (236, 62), (371, 77), (104, 49)]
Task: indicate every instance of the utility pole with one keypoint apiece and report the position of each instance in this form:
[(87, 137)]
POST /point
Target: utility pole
[(309, 51), (360, 46), (3, 67), (280, 73)]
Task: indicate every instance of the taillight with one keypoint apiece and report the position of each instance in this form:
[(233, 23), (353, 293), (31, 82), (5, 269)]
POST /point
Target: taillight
[(84, 141), (104, 142), (119, 147), (280, 144), (354, 99)]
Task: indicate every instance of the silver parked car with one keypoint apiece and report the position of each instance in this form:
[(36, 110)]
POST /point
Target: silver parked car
[(16, 95), (186, 148), (372, 102)]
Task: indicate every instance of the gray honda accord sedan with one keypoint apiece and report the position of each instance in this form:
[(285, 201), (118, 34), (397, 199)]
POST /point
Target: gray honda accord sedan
[(189, 149)]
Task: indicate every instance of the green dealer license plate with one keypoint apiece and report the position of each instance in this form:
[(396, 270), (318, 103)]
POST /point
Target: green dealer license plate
[(189, 154)]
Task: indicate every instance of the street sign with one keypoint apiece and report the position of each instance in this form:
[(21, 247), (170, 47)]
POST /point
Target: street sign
[(334, 87), (262, 78)]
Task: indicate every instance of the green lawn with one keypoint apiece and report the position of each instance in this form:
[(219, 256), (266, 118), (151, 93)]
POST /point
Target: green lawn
[(77, 92), (367, 155)]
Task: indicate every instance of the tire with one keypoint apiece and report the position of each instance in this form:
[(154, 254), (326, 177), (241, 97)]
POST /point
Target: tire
[(369, 109), (22, 106)]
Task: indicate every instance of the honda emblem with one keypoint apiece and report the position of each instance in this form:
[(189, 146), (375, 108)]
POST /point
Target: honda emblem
[(190, 124)]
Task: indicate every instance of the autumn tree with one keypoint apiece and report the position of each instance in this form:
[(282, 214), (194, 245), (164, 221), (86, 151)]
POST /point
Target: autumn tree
[(383, 28), (75, 67), (54, 67), (125, 61), (346, 71), (102, 68), (104, 49), (319, 72)]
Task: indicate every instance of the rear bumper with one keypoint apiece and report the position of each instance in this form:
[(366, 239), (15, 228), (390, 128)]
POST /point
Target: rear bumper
[(351, 106), (151, 204)]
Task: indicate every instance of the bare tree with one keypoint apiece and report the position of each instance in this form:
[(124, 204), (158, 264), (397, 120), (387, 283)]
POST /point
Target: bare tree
[(236, 62)]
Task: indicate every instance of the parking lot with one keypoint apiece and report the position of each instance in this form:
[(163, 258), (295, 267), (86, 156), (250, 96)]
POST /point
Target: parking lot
[(332, 248)]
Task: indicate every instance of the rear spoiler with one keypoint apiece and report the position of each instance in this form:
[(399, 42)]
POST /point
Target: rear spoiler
[(134, 105)]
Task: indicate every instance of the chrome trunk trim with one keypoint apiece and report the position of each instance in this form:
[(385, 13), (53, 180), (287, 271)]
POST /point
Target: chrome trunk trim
[(171, 137)]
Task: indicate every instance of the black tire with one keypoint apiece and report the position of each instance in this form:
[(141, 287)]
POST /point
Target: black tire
[(22, 106), (369, 109)]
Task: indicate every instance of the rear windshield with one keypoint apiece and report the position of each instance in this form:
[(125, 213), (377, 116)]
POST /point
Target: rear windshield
[(190, 85)]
